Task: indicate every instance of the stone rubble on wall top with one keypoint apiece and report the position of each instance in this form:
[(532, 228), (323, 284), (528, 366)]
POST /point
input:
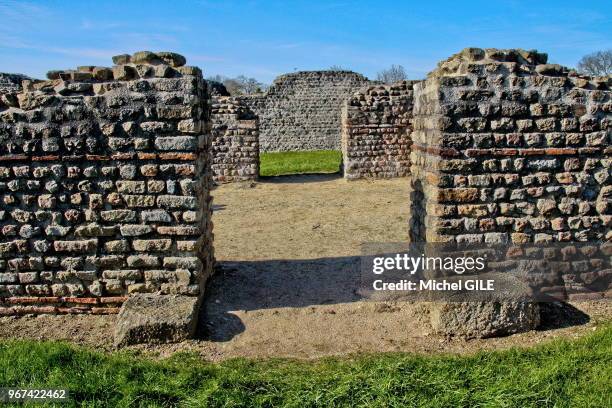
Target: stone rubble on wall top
[(88, 80), (516, 61), (142, 64)]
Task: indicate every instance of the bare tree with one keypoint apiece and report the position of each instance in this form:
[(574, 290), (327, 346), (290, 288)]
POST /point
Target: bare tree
[(241, 85), (249, 86), (336, 68), (393, 74), (597, 64)]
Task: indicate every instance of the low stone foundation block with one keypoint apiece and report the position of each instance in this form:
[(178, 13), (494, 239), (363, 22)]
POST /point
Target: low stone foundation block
[(151, 318), (484, 319)]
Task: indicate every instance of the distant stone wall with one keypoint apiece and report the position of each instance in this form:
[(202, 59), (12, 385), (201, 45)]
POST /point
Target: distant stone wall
[(11, 83), (376, 132), (10, 86), (510, 150), (301, 111), (235, 141), (104, 183)]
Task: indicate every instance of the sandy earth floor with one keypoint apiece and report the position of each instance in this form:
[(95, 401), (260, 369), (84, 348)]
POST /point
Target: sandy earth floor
[(287, 278)]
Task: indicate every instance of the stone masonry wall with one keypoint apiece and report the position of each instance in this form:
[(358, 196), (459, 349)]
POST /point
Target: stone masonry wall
[(104, 185), (509, 149), (235, 141), (302, 110), (376, 131), (11, 83)]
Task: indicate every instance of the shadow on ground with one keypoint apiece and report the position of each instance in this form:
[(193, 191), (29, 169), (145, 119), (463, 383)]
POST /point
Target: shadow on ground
[(270, 284), (218, 207), (557, 315), (256, 285)]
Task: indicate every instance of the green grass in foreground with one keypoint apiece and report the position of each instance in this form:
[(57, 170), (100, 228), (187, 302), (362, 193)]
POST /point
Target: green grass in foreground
[(562, 373), (281, 163)]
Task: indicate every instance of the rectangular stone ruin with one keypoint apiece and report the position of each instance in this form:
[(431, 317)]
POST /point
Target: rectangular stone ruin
[(509, 150), (235, 140), (105, 175), (376, 131), (104, 183)]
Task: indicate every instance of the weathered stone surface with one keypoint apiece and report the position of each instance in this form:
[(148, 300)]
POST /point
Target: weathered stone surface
[(123, 73), (120, 59), (235, 144), (516, 150), (176, 143), (152, 245), (118, 215), (502, 148), (484, 319), (148, 318), (301, 111), (376, 131), (172, 59), (11, 82), (509, 145), (144, 57), (76, 246), (135, 230), (156, 216), (83, 165)]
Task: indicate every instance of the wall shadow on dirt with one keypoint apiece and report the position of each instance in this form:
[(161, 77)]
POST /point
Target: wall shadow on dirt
[(257, 285), (557, 315)]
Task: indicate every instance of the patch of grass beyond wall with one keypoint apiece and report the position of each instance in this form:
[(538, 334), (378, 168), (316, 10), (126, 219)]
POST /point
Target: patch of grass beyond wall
[(562, 373), (283, 163)]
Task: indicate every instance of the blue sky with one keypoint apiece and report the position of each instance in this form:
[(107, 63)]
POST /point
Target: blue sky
[(266, 38)]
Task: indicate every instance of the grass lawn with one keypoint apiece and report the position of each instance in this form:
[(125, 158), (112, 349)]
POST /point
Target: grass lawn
[(282, 163), (562, 373)]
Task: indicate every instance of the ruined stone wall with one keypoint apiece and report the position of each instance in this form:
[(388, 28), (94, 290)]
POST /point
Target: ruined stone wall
[(104, 184), (302, 110), (11, 83), (376, 131), (235, 141), (509, 149)]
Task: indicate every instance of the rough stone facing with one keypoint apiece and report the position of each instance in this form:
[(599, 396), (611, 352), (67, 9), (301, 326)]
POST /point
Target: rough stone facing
[(526, 156), (484, 319), (235, 141), (11, 82), (376, 131), (302, 110), (510, 150), (104, 174)]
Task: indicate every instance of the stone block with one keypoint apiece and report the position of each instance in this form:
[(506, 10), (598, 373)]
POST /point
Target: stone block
[(176, 143), (146, 318), (484, 319)]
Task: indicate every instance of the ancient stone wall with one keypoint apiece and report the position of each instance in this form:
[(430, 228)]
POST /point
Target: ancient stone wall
[(376, 131), (235, 141), (104, 184), (302, 110), (10, 86), (510, 150)]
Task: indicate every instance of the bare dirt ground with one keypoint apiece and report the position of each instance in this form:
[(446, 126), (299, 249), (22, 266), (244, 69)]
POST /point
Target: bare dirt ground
[(288, 269)]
